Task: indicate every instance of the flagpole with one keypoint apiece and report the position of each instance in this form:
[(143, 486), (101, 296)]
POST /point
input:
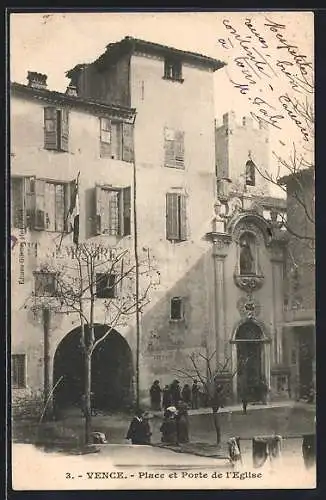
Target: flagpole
[(136, 268)]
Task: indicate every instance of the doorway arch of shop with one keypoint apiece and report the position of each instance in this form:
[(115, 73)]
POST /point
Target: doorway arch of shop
[(249, 340), (112, 371)]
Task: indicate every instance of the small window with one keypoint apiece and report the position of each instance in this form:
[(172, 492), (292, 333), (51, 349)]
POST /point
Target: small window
[(250, 173), (45, 284), (176, 217), (106, 286), (174, 149), (113, 211), (18, 371), (56, 128), (177, 308), (173, 69)]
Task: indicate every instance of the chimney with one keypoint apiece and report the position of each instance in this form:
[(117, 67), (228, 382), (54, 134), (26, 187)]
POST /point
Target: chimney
[(71, 90), (36, 80)]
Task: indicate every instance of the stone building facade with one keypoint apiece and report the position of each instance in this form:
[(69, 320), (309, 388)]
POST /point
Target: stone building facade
[(217, 244)]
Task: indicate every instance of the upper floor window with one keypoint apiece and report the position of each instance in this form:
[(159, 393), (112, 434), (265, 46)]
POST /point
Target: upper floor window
[(176, 217), (177, 311), (113, 211), (173, 148), (18, 371), (116, 140), (173, 69), (45, 284), (250, 173), (39, 204), (106, 286), (56, 128)]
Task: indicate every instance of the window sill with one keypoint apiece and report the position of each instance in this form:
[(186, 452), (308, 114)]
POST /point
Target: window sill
[(177, 321), (176, 241), (178, 80), (177, 167)]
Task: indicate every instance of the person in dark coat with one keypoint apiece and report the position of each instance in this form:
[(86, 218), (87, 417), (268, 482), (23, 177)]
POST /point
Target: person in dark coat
[(186, 394), (194, 395), (155, 393), (166, 397), (175, 392), (147, 427), (182, 423), (139, 429), (169, 427), (263, 390), (217, 400)]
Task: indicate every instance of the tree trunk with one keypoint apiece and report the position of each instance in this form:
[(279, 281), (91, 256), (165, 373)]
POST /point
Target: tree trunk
[(46, 364), (217, 426), (88, 412)]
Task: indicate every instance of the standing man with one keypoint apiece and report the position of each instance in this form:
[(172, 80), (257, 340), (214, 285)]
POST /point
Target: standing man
[(155, 394)]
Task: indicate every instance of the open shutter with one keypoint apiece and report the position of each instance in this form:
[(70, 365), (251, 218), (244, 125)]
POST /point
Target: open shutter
[(179, 149), (183, 217), (97, 215), (39, 212), (50, 128), (105, 138), (17, 203), (126, 211), (64, 129), (127, 142), (172, 222), (29, 190)]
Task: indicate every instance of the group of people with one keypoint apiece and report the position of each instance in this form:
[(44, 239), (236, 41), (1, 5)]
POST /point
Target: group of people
[(172, 394), (174, 428)]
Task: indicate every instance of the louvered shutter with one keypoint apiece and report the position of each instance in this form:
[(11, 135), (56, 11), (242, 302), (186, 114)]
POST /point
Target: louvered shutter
[(127, 142), (169, 147), (179, 149), (39, 212), (183, 217), (126, 211), (50, 128), (97, 214), (29, 190), (64, 146), (172, 222), (105, 138)]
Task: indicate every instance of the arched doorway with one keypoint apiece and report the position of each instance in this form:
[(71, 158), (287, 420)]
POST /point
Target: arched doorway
[(249, 359), (111, 371)]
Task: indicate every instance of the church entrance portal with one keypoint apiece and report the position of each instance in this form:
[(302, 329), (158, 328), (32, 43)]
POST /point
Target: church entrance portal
[(249, 356), (111, 371)]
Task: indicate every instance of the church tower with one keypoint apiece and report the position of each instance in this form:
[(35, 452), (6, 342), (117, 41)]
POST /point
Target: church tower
[(242, 156)]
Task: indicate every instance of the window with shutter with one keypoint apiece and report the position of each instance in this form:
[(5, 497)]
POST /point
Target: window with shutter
[(127, 142), (173, 148), (176, 220), (56, 128), (50, 128), (116, 140), (18, 371), (105, 138), (45, 284), (39, 211), (173, 69), (112, 211), (17, 203)]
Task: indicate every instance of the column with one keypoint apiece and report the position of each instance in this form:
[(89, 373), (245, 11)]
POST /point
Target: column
[(277, 277)]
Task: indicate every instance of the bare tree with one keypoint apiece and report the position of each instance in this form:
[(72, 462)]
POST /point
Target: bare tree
[(201, 367), (73, 288)]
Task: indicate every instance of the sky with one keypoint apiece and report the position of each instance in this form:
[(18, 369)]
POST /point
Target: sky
[(52, 43)]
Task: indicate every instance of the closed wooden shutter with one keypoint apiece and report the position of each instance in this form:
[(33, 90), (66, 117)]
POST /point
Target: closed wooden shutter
[(179, 149), (105, 138), (50, 128), (64, 146), (97, 214), (39, 212), (183, 217), (169, 147), (126, 211), (17, 203), (127, 142), (29, 189), (172, 219)]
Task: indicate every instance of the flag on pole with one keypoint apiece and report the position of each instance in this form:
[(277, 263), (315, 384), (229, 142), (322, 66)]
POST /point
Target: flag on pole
[(73, 212)]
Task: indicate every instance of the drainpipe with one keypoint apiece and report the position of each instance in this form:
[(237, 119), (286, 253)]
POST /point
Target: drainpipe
[(46, 364)]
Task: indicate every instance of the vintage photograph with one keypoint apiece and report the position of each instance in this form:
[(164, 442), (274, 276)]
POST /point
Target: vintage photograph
[(162, 209)]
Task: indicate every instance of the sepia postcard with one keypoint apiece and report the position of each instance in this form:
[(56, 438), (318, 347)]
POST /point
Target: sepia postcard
[(162, 249)]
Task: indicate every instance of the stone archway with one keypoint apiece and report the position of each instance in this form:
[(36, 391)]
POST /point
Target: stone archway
[(112, 371), (249, 344)]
